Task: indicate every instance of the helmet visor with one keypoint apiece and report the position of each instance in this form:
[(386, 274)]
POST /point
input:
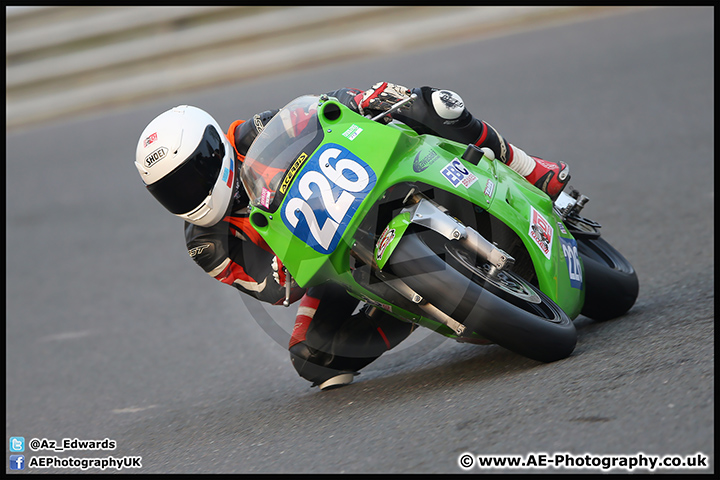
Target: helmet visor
[(184, 189)]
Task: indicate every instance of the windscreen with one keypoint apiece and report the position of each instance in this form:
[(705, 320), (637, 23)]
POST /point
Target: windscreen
[(279, 151)]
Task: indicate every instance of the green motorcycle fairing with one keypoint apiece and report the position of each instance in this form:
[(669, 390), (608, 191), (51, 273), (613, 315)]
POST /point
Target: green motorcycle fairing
[(318, 172)]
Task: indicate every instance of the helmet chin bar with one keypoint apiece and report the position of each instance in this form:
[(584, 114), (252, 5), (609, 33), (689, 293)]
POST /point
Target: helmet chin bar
[(200, 212), (219, 201), (214, 207)]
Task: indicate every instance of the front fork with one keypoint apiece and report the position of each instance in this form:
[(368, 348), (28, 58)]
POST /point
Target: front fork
[(436, 218), (422, 211)]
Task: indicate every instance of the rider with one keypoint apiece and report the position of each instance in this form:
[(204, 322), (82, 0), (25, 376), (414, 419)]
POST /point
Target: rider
[(191, 167)]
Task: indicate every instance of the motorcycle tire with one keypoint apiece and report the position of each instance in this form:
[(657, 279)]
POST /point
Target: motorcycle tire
[(611, 283), (505, 309)]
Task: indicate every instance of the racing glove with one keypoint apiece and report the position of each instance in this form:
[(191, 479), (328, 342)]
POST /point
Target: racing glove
[(380, 98)]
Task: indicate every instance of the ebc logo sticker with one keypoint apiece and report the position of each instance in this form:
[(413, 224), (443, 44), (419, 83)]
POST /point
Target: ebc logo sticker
[(569, 247), (326, 195), (541, 232), (457, 174)]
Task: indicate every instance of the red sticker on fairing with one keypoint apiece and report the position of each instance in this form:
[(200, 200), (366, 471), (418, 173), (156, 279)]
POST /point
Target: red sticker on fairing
[(386, 238), (266, 197), (541, 232)]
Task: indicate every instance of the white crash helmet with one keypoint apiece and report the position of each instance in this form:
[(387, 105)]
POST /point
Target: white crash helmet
[(188, 164)]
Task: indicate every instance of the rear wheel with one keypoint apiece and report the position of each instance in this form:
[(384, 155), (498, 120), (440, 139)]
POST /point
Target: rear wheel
[(504, 308), (611, 283)]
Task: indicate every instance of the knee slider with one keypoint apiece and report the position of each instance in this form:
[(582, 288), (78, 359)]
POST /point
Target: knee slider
[(309, 363)]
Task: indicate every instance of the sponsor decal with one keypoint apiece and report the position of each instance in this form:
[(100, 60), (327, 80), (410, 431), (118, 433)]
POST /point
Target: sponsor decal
[(155, 156), (387, 236), (150, 139), (352, 132), (198, 250), (231, 172), (448, 105), (569, 247), (489, 188), (547, 165), (451, 100), (259, 127), (561, 227), (292, 171), (457, 174), (541, 232), (421, 164), (266, 197)]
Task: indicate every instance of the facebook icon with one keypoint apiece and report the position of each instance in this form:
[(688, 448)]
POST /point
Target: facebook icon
[(17, 462)]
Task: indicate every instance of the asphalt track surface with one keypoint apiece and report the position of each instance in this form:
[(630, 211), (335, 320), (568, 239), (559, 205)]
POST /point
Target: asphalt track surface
[(112, 331)]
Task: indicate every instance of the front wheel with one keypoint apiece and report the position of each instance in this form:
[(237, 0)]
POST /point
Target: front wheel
[(503, 308)]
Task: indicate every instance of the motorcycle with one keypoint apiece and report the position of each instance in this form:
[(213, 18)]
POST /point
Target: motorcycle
[(431, 231)]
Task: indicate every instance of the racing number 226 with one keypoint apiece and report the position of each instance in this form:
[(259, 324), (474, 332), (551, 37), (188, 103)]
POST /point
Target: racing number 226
[(336, 208)]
